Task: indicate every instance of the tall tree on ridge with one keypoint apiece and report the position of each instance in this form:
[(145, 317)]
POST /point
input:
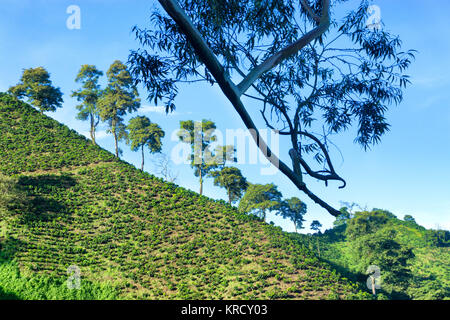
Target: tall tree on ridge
[(200, 136), (119, 98), (143, 133), (259, 199), (35, 84), (232, 180), (89, 94), (316, 225), (293, 209)]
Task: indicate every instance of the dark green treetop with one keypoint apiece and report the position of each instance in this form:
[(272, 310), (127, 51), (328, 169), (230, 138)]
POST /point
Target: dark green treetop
[(232, 180), (260, 198), (316, 225), (409, 218), (88, 95), (365, 222), (293, 209), (143, 133), (35, 84)]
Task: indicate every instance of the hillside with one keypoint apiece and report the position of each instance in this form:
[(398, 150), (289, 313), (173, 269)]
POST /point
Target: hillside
[(131, 234), (429, 268)]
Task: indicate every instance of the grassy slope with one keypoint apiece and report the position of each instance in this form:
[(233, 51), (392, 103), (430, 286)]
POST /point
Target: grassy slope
[(430, 267), (131, 234)]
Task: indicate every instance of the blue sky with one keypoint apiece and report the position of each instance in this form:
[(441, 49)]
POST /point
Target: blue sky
[(407, 173)]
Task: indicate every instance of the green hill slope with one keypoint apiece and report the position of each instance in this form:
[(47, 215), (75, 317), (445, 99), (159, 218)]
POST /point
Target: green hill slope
[(131, 234), (430, 268)]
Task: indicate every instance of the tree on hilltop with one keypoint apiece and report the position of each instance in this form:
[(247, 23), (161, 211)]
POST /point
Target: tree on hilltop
[(36, 86), (88, 95), (316, 225), (200, 136), (119, 98), (259, 199), (143, 133), (232, 180), (293, 209)]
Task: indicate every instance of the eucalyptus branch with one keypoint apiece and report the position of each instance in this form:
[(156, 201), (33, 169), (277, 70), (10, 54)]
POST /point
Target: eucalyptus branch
[(316, 174), (309, 10), (287, 52), (233, 94), (282, 56)]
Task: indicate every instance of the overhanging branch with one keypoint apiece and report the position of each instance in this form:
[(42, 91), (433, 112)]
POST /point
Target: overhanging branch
[(309, 10), (287, 52), (233, 93)]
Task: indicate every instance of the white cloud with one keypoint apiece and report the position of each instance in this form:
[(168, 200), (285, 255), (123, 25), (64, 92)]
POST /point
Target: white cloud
[(101, 134), (431, 102), (156, 109), (430, 80), (159, 110)]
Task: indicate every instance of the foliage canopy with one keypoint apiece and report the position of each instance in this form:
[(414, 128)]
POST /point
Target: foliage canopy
[(259, 199), (293, 209), (232, 180), (313, 74), (88, 95), (200, 136), (119, 98), (35, 84), (143, 133)]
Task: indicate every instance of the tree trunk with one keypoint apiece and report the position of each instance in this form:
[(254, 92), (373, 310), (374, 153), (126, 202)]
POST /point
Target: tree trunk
[(142, 165), (264, 215), (318, 246), (372, 278), (295, 227), (201, 181), (116, 143), (92, 129)]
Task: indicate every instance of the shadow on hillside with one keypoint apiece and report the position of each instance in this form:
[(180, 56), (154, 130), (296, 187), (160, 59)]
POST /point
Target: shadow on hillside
[(48, 182), (40, 193), (9, 247), (7, 296), (352, 276)]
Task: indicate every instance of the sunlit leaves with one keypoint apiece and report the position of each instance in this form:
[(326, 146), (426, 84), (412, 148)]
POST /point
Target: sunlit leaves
[(35, 84)]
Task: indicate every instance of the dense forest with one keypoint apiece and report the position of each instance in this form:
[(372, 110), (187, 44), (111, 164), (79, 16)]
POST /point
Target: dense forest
[(413, 260)]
